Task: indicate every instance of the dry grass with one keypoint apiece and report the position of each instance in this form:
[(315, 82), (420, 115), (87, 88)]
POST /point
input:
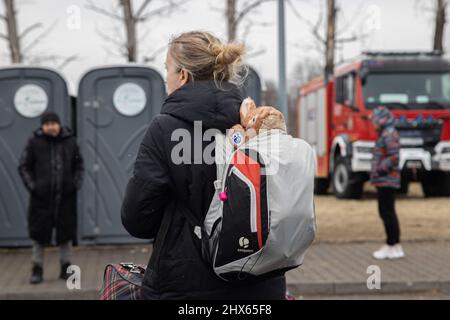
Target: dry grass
[(357, 220)]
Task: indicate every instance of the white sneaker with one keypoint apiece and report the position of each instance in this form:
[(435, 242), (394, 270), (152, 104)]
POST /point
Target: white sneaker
[(399, 253), (385, 252)]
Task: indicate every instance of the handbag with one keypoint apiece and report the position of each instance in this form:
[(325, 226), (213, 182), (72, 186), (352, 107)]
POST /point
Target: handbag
[(122, 281)]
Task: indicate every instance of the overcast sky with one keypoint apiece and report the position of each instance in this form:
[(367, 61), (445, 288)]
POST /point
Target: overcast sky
[(391, 25)]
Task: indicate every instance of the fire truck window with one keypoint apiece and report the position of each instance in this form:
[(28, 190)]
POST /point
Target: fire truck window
[(408, 91), (350, 88), (340, 90), (345, 89), (446, 86)]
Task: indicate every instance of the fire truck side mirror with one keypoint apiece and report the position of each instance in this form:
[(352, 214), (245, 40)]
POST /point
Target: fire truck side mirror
[(363, 73)]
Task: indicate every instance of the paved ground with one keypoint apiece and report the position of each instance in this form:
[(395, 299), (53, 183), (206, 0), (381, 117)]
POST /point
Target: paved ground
[(421, 219), (91, 260), (420, 295), (330, 271), (342, 269)]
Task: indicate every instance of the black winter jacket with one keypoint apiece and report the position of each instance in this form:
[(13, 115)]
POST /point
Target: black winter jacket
[(52, 169), (159, 186)]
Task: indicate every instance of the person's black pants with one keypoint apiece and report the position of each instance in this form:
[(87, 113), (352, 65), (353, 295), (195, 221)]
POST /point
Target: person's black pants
[(386, 208)]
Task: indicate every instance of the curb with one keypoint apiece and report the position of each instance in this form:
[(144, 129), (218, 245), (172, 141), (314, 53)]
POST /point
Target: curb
[(338, 288), (296, 289), (52, 295)]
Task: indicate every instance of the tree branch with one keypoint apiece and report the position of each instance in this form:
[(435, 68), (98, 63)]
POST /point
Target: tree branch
[(42, 57), (354, 18), (216, 9), (246, 10), (419, 5), (108, 38), (121, 52), (141, 9), (39, 38), (314, 27), (29, 29), (248, 27), (253, 54), (162, 10), (349, 39), (67, 60), (154, 54), (91, 6)]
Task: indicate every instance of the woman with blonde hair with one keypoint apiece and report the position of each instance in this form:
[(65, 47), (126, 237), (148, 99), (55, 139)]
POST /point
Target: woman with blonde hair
[(165, 195)]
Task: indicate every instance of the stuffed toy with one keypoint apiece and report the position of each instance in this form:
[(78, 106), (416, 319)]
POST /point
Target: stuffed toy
[(255, 120)]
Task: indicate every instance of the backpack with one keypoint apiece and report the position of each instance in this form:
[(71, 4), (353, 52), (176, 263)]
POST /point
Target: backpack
[(261, 219)]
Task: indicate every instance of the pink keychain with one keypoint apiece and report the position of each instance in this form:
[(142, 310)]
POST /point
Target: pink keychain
[(223, 196)]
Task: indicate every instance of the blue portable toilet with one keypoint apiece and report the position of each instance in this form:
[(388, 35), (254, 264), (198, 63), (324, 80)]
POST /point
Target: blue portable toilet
[(25, 93), (115, 105)]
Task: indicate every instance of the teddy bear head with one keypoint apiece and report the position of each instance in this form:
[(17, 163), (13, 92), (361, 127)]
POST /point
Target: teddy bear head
[(261, 118)]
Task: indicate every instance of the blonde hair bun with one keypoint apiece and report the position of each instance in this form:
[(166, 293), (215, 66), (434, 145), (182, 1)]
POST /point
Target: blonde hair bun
[(205, 57), (228, 53)]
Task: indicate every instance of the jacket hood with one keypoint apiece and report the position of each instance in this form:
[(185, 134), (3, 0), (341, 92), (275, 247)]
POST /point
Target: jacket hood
[(382, 117), (203, 101), (64, 133)]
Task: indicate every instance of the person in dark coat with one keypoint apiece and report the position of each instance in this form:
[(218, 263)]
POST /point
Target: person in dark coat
[(385, 175), (51, 168), (201, 97)]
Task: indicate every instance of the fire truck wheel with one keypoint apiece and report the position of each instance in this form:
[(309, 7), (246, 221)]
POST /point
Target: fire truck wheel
[(321, 185), (435, 184), (346, 184)]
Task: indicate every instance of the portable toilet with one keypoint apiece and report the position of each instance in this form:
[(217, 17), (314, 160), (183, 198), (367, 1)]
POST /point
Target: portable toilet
[(25, 93), (115, 105)]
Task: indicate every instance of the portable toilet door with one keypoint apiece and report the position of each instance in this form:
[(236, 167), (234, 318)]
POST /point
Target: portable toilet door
[(114, 108), (25, 93), (252, 86)]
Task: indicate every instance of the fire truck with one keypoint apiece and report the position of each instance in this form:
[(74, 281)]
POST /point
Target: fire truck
[(333, 116)]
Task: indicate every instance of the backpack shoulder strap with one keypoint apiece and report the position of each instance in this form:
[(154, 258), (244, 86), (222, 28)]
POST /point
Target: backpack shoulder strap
[(223, 150), (220, 158)]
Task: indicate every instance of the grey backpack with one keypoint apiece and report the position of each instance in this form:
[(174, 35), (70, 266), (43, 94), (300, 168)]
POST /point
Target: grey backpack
[(261, 219)]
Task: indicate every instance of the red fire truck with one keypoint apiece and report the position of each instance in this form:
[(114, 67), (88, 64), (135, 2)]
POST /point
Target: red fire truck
[(334, 117)]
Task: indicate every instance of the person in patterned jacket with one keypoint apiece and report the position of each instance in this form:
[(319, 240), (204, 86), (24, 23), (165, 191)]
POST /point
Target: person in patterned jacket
[(385, 176)]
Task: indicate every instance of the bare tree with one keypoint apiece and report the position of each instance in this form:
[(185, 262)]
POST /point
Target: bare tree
[(20, 47), (330, 38), (59, 61), (130, 26), (439, 24), (236, 14), (130, 19), (334, 37), (12, 35)]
